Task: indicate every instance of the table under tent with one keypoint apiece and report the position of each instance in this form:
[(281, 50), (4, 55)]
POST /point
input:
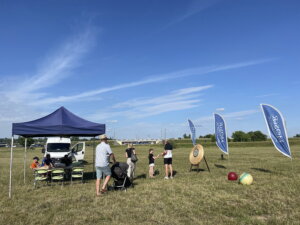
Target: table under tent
[(62, 123)]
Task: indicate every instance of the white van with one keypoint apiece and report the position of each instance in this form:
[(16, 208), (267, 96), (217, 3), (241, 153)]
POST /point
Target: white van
[(58, 147)]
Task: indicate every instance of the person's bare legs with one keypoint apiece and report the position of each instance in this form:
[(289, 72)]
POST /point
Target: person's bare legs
[(98, 181), (166, 170), (171, 170), (133, 170), (151, 171), (130, 168), (105, 182)]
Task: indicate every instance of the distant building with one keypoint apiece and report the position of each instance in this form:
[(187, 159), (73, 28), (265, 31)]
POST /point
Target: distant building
[(139, 142), (4, 145)]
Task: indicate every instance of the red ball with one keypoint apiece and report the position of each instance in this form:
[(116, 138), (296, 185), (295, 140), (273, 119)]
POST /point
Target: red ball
[(232, 176)]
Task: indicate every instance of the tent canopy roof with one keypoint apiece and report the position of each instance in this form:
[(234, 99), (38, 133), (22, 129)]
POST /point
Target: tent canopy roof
[(59, 123)]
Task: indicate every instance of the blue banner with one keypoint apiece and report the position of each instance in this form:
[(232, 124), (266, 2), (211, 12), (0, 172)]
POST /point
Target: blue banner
[(193, 132), (276, 127), (220, 132)]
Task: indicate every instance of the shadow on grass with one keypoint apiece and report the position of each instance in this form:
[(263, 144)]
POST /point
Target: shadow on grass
[(262, 170), (142, 176), (222, 157), (83, 162), (89, 176), (198, 170), (220, 166)]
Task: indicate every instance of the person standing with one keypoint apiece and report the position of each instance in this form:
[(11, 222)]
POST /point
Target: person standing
[(168, 159), (103, 154), (128, 153), (151, 158)]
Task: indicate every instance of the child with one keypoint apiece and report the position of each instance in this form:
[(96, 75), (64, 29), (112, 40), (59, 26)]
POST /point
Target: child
[(151, 162), (35, 164)]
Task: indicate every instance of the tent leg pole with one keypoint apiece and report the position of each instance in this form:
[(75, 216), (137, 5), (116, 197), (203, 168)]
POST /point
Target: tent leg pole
[(10, 167), (94, 149), (25, 157)]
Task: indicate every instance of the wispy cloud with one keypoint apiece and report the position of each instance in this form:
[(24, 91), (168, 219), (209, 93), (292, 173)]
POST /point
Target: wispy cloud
[(235, 115), (266, 95), (154, 79), (180, 99), (55, 68), (232, 115), (174, 96), (193, 8), (204, 125), (18, 92)]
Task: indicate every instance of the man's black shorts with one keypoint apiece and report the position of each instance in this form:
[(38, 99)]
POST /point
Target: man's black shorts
[(168, 161)]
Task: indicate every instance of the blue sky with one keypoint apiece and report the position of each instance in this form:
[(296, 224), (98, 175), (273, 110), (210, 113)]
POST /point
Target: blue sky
[(143, 66)]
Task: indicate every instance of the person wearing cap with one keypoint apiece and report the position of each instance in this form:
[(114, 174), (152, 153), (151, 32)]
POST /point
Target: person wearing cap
[(103, 154), (35, 164)]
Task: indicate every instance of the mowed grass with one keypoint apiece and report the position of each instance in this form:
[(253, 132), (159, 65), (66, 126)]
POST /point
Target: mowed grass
[(190, 198)]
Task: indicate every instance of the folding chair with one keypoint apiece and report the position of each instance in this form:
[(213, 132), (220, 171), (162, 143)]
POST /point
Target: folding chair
[(77, 173), (40, 175), (57, 175)]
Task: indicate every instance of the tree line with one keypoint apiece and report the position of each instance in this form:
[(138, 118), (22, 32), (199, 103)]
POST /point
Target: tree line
[(237, 136)]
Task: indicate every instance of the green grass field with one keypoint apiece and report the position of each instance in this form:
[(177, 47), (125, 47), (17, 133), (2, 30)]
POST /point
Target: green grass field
[(190, 198)]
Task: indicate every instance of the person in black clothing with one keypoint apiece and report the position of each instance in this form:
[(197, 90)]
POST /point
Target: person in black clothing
[(151, 162), (66, 160), (128, 152)]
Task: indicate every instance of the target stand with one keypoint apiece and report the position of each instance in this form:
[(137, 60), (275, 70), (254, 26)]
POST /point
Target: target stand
[(196, 155)]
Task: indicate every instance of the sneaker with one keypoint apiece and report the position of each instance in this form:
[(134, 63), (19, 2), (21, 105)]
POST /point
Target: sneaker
[(171, 177), (166, 178)]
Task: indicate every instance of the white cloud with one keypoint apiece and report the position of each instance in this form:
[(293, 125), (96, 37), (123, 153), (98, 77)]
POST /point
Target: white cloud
[(111, 121), (266, 95), (233, 115), (17, 93), (204, 125), (240, 114), (53, 70), (153, 79), (193, 8), (174, 96), (180, 99)]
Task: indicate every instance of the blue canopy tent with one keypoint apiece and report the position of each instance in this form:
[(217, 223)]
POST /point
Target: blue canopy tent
[(59, 123)]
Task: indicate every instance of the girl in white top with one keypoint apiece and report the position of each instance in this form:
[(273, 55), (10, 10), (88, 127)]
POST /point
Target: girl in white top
[(168, 159)]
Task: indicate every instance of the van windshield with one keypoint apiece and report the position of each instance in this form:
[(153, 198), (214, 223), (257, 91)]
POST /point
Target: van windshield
[(58, 147)]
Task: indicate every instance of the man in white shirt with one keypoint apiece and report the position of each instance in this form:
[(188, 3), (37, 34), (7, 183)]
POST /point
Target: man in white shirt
[(103, 154)]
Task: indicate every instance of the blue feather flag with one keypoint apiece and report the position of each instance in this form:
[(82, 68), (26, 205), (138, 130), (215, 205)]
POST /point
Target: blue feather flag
[(193, 132), (277, 130), (220, 133)]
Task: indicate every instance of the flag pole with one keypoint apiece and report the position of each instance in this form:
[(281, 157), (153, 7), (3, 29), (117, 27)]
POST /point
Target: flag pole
[(229, 165), (94, 149), (292, 167), (10, 167), (25, 157)]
